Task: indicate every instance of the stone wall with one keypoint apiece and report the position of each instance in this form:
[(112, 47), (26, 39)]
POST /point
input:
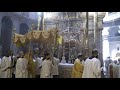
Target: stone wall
[(80, 20), (16, 20)]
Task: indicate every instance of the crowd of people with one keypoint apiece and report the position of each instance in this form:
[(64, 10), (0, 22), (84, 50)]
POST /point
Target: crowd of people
[(47, 65), (112, 68), (18, 66), (89, 68)]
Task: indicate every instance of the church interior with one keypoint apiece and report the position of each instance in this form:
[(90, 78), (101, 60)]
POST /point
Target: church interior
[(66, 36)]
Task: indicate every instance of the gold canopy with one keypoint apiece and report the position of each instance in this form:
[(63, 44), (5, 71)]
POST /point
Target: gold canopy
[(46, 36)]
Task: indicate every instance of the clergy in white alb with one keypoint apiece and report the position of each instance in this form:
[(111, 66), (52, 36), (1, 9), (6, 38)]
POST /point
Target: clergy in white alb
[(92, 66), (55, 68), (47, 67), (5, 67), (38, 65), (22, 67)]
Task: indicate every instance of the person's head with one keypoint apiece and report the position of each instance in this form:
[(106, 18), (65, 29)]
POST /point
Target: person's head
[(36, 50), (7, 54), (47, 55), (21, 54), (119, 59), (80, 56), (115, 61), (95, 53), (10, 53)]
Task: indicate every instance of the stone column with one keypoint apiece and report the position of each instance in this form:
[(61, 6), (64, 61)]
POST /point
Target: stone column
[(95, 27), (86, 36), (42, 22), (98, 27), (99, 44)]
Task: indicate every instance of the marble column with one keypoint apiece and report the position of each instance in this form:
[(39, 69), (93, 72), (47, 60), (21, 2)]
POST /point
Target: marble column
[(95, 27), (99, 45), (86, 35)]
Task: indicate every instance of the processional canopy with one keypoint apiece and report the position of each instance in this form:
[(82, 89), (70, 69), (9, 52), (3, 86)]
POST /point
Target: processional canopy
[(47, 36)]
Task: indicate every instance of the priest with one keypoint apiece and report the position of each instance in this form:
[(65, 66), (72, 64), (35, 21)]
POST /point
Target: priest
[(78, 67), (22, 67), (56, 62), (92, 67), (47, 66), (38, 63), (6, 66)]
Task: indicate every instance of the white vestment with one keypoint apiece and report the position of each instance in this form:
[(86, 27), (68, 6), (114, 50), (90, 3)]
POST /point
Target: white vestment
[(46, 70), (5, 71), (83, 62), (92, 68), (38, 65), (56, 63), (21, 68)]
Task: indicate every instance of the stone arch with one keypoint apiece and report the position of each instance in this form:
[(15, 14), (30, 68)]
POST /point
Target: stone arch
[(23, 28), (6, 34)]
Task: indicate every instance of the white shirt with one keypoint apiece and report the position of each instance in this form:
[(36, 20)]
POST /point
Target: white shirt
[(92, 68)]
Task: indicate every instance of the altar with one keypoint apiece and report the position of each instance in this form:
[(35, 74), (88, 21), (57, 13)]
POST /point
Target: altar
[(65, 70)]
